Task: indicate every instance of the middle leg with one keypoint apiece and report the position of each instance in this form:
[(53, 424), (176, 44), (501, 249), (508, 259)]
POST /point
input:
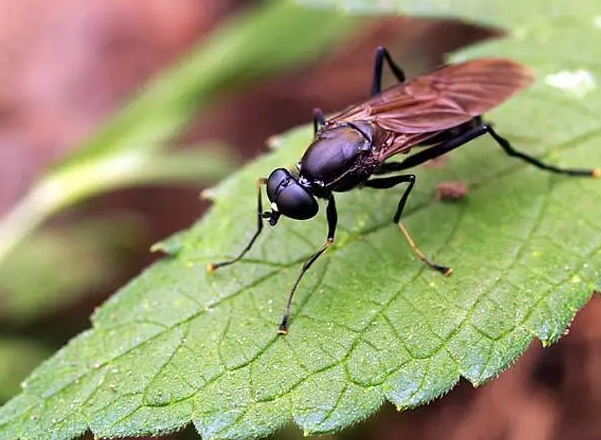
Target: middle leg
[(381, 55), (389, 182)]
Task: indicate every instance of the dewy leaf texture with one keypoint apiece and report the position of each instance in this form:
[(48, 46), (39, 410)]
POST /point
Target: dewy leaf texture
[(370, 323)]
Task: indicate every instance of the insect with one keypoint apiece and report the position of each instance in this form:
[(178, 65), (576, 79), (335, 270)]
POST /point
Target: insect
[(433, 113)]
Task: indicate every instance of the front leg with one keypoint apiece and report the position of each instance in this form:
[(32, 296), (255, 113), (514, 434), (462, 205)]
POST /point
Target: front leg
[(332, 216), (212, 267), (389, 182)]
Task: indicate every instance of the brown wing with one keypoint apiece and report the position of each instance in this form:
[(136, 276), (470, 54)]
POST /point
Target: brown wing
[(442, 99)]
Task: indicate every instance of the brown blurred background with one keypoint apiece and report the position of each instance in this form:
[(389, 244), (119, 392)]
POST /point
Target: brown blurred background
[(67, 65)]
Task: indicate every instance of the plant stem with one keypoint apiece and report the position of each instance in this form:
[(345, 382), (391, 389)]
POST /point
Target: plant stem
[(83, 180)]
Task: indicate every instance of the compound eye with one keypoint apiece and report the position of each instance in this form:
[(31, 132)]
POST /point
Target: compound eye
[(295, 202), (278, 179), (290, 198)]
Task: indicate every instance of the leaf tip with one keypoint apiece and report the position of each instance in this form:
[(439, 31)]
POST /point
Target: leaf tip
[(273, 142), (207, 194), (476, 384), (157, 247), (169, 247)]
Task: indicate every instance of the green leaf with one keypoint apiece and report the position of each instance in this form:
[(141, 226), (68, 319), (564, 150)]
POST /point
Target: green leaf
[(370, 323), (17, 358)]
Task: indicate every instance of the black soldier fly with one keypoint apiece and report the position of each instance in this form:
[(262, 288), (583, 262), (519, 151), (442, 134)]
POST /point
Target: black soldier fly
[(435, 112)]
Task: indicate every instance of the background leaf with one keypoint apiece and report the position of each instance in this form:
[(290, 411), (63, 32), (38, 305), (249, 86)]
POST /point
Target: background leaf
[(494, 12), (370, 323), (96, 247), (130, 149), (18, 356)]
